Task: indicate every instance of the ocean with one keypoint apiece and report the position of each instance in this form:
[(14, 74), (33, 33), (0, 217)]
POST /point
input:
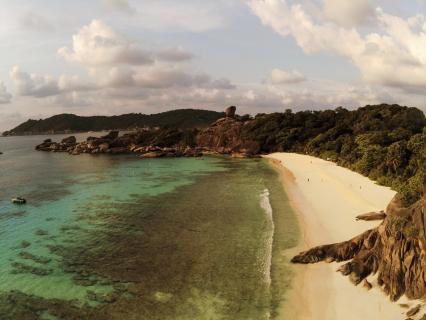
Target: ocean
[(118, 237)]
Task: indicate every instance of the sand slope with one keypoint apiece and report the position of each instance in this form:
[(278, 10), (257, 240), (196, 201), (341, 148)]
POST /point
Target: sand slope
[(327, 198)]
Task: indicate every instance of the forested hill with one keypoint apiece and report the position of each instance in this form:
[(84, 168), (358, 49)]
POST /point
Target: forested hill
[(384, 142), (63, 123)]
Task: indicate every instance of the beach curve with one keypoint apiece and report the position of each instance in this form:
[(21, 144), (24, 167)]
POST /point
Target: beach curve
[(327, 198)]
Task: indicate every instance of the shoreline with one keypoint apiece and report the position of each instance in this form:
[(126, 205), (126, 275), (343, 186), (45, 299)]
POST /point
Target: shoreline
[(326, 198)]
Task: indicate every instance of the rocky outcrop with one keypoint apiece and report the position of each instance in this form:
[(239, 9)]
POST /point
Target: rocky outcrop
[(395, 251), (113, 143), (230, 111), (224, 137), (63, 146)]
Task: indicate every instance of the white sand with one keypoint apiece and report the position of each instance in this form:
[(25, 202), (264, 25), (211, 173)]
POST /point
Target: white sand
[(327, 205)]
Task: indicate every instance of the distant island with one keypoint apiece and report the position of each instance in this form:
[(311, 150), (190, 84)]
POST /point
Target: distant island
[(71, 123)]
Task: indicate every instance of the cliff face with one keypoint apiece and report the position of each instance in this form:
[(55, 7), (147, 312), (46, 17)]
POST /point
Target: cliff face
[(224, 136), (395, 251)]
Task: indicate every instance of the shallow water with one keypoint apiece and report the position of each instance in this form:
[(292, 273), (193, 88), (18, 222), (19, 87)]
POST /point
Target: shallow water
[(109, 237)]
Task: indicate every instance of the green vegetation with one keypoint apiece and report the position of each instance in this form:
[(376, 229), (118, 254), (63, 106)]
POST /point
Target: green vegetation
[(62, 123), (384, 142)]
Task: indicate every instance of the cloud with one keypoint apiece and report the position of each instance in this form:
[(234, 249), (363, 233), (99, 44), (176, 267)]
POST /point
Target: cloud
[(97, 44), (393, 57), (35, 22), (160, 77), (349, 13), (103, 77), (10, 120), (74, 83), (122, 6), (33, 85), (279, 76), (184, 15), (5, 96), (174, 54), (113, 61), (223, 83), (41, 86)]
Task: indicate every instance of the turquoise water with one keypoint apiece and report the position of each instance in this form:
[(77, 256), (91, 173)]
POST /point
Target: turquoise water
[(117, 237)]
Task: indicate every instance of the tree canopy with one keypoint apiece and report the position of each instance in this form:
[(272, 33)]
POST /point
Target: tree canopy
[(384, 142)]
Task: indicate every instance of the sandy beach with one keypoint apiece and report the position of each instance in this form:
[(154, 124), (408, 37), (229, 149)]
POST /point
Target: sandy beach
[(327, 198)]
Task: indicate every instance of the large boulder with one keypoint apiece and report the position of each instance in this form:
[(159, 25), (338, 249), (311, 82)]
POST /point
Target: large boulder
[(230, 111), (103, 147), (45, 146), (69, 140), (111, 135)]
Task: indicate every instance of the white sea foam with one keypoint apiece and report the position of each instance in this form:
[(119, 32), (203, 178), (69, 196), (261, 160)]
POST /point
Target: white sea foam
[(265, 204)]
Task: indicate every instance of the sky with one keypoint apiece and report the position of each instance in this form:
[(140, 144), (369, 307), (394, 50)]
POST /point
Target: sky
[(105, 57)]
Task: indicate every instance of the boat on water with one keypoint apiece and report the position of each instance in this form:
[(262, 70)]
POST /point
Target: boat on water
[(19, 200)]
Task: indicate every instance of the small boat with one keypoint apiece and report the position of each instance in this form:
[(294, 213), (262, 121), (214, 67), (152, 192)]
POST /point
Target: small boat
[(19, 200)]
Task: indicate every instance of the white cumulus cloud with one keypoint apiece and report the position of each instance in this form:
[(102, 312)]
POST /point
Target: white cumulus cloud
[(115, 63), (279, 76), (98, 44), (395, 56), (41, 86), (349, 13), (32, 84)]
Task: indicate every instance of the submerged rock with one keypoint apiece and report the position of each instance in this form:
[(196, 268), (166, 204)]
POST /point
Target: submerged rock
[(24, 244), (23, 268), (30, 256), (41, 232)]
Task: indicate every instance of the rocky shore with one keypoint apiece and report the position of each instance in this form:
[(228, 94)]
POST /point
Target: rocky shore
[(222, 137), (395, 251), (112, 143)]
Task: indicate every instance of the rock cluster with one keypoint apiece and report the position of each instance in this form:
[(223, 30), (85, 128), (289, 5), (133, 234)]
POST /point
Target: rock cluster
[(65, 145), (223, 137), (395, 251), (113, 143)]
